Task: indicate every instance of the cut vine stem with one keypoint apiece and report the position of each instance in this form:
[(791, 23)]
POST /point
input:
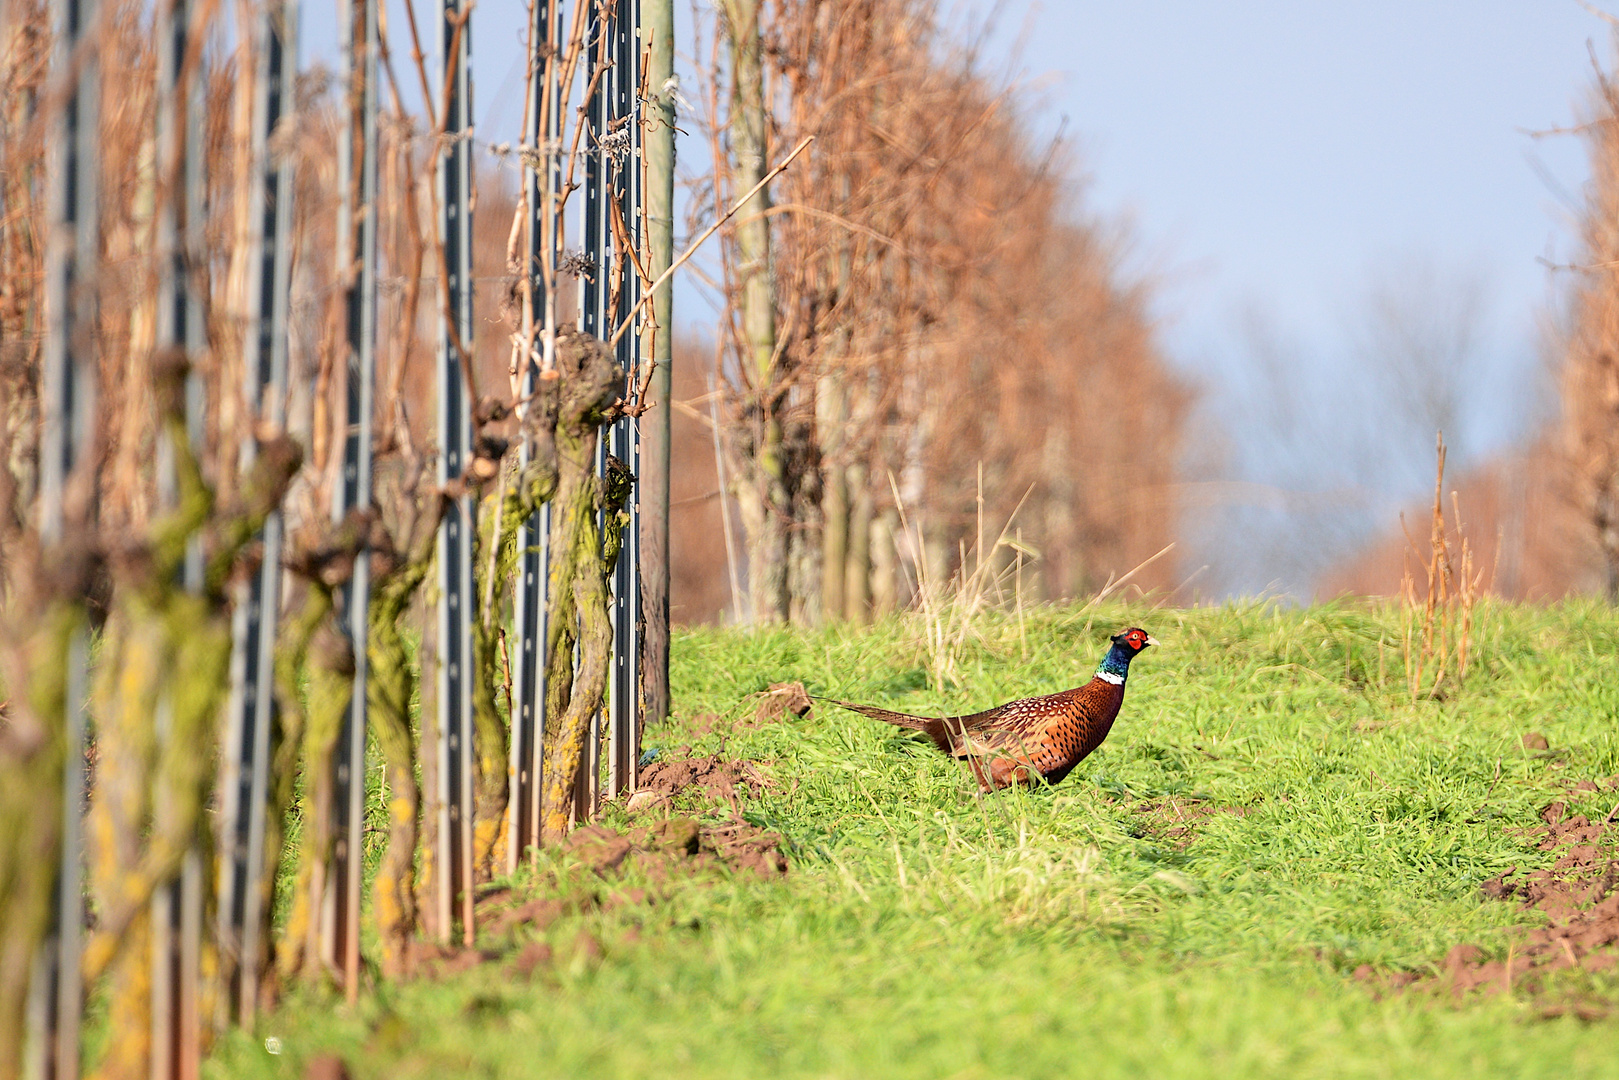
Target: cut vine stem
[(629, 320)]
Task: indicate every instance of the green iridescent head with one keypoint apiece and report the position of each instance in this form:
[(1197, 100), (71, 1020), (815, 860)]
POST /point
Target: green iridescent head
[(1125, 647)]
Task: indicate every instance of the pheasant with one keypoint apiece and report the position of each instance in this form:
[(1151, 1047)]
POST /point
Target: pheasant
[(1045, 736)]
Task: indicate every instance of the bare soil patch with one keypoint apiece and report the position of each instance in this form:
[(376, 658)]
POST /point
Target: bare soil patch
[(715, 778), (781, 701), (1576, 895), (662, 853), (681, 846)]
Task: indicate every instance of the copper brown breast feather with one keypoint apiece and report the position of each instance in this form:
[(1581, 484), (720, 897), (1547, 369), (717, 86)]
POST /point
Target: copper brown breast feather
[(1032, 737)]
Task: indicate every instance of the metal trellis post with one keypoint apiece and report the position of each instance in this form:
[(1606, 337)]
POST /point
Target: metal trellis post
[(357, 228), (594, 286), (533, 536), (624, 734), (244, 789), (457, 602), (612, 191), (69, 377)]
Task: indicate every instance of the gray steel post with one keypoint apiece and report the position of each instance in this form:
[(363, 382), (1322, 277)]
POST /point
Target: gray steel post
[(533, 536), (624, 737), (456, 540), (244, 788), (596, 245), (357, 229), (69, 378)]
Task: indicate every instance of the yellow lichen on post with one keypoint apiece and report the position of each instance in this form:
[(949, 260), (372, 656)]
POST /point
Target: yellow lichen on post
[(291, 654), (331, 680), (490, 782), (33, 753), (159, 688), (389, 688)]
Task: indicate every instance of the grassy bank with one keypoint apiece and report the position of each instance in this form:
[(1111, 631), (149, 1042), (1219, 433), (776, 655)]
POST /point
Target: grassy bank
[(1270, 813)]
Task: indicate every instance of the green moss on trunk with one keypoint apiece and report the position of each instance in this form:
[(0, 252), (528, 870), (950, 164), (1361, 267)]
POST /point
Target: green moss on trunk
[(578, 576), (33, 751)]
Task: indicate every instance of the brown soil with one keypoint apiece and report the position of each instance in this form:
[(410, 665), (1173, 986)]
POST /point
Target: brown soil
[(1175, 821), (535, 955), (678, 846), (716, 778), (781, 700), (773, 706), (1577, 897), (664, 851), (326, 1067), (443, 961)]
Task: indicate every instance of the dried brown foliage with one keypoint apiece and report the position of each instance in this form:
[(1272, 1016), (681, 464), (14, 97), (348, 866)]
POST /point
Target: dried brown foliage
[(1525, 523), (1437, 620), (1591, 368), (938, 306)]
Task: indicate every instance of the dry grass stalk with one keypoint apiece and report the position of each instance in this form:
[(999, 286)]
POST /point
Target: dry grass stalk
[(1437, 622), (950, 610)]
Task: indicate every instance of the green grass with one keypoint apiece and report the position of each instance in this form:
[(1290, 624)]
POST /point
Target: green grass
[(924, 931)]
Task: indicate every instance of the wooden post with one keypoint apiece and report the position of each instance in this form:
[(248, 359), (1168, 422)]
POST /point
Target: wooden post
[(457, 604), (357, 231), (177, 904), (244, 787), (658, 152), (67, 463)]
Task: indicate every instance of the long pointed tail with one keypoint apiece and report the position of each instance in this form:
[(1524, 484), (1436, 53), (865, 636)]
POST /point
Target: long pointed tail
[(934, 728)]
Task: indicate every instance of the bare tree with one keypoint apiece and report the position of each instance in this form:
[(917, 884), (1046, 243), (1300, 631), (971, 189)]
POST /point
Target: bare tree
[(1591, 370)]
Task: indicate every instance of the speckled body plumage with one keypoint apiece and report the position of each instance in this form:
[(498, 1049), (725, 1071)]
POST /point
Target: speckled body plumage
[(1033, 737)]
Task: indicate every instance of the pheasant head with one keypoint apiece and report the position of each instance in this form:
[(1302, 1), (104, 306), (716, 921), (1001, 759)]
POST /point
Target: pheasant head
[(1115, 666)]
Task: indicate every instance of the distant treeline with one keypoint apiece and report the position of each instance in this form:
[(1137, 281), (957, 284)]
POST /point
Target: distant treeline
[(920, 315)]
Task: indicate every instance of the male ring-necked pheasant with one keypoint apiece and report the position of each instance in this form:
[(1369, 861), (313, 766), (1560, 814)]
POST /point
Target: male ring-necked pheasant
[(1045, 736)]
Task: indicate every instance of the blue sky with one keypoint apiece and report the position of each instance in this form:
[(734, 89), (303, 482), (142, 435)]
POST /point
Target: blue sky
[(1272, 152)]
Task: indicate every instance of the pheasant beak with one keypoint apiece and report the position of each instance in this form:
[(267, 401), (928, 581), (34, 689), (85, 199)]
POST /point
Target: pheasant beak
[(1151, 640)]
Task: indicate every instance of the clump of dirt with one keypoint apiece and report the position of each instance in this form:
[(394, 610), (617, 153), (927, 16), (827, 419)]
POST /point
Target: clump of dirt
[(716, 778), (781, 700), (535, 955), (1175, 820), (1534, 740), (677, 846), (771, 706), (326, 1067), (436, 962), (1385, 980), (1577, 897)]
